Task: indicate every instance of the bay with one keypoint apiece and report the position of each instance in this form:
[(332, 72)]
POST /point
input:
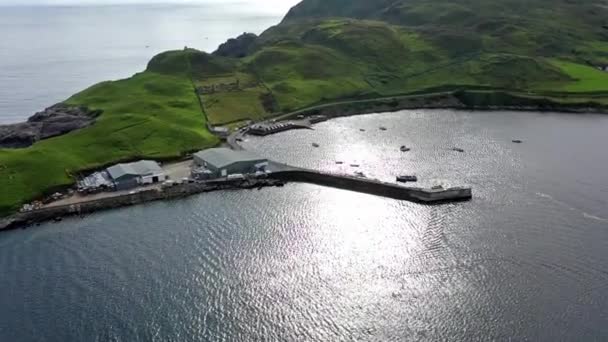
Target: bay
[(525, 260)]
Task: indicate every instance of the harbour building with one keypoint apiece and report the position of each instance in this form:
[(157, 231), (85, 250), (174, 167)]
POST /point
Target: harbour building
[(222, 162), (129, 176)]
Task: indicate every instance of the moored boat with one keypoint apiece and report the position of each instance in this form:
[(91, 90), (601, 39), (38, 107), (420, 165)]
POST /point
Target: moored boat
[(405, 179), (360, 174)]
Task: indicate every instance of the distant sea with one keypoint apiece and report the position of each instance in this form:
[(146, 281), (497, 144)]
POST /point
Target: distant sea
[(49, 53)]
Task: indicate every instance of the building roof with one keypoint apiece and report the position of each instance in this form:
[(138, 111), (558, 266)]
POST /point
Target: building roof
[(140, 168), (222, 157)]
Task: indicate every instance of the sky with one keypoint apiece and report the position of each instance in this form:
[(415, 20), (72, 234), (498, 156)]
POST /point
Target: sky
[(279, 5)]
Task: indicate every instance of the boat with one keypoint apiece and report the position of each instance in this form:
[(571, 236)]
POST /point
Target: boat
[(360, 174), (383, 128), (315, 145), (457, 149), (517, 141), (362, 130), (405, 179), (339, 162), (354, 165), (437, 187), (405, 149)]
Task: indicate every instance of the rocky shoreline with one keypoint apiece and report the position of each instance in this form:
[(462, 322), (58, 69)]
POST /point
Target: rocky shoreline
[(56, 120), (462, 100)]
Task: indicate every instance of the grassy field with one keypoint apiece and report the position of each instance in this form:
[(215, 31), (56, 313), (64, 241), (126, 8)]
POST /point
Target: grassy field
[(148, 115), (586, 78), (226, 106), (541, 49)]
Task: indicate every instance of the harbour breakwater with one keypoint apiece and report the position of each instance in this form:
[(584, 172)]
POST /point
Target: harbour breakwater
[(278, 178), (376, 187), (49, 213)]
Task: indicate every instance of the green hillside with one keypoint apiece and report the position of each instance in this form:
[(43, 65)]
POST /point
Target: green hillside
[(148, 115), (325, 51), (537, 27)]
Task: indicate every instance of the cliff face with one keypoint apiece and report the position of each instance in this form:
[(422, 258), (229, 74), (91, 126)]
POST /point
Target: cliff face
[(53, 121), (237, 47)]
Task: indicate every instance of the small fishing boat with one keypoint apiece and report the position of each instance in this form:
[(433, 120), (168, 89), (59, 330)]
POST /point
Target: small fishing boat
[(405, 179), (339, 162), (315, 145), (437, 187), (517, 141), (457, 149), (354, 165), (360, 174), (362, 130), (405, 149), (383, 128)]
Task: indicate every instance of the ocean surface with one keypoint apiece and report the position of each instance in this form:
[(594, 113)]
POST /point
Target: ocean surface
[(525, 260), (49, 53)]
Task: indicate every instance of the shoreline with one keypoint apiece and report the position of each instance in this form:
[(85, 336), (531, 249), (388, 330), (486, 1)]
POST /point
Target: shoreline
[(457, 100), (284, 174), (442, 100)]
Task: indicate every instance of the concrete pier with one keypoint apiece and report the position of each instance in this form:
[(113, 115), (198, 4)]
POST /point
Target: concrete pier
[(375, 187), (282, 173)]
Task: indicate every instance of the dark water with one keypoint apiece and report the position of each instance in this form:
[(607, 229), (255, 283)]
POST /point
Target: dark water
[(49, 53), (526, 260)]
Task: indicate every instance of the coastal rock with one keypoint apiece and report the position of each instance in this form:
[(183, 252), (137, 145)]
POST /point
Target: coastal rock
[(238, 47), (53, 121)]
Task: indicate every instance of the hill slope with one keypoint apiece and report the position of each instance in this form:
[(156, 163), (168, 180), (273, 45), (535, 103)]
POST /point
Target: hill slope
[(325, 51)]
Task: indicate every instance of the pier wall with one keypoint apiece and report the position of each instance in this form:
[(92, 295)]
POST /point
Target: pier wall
[(375, 187), (289, 174), (86, 207)]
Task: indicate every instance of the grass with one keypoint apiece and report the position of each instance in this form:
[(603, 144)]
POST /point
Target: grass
[(540, 49), (585, 78), (226, 107), (149, 115), (246, 103)]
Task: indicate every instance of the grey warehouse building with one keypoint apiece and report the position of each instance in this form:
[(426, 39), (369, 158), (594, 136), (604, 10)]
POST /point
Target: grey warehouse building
[(128, 176), (223, 161)]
